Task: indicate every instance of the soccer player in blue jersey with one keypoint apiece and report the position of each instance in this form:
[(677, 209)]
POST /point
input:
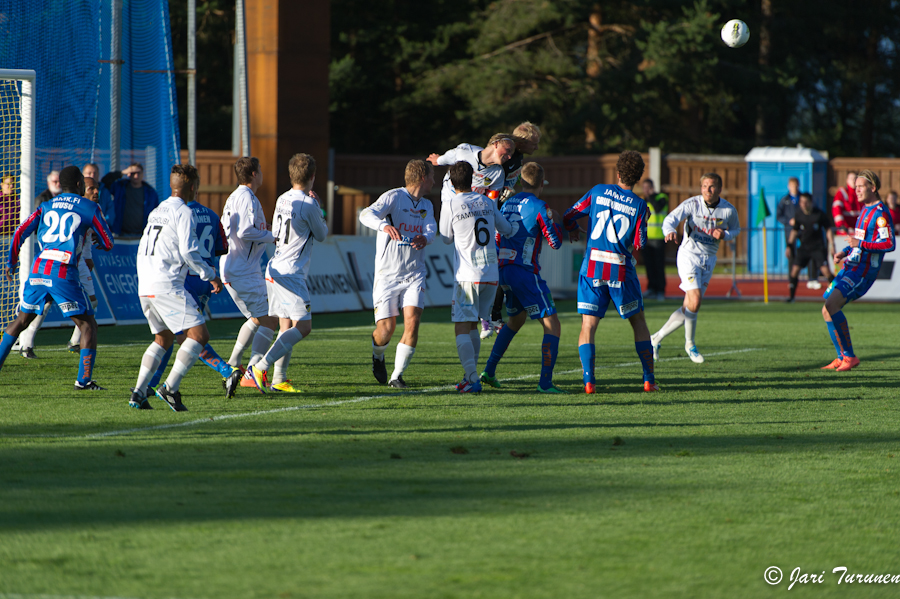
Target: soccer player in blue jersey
[(61, 223), (618, 221), (212, 245), (527, 294), (872, 238)]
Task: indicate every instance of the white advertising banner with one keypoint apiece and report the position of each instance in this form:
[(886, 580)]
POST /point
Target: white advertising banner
[(331, 287)]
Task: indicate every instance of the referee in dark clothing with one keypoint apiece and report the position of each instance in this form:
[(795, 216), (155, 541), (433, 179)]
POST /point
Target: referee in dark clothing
[(811, 227)]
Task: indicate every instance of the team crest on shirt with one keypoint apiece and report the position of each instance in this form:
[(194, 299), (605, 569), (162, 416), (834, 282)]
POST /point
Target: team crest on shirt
[(882, 222), (416, 213)]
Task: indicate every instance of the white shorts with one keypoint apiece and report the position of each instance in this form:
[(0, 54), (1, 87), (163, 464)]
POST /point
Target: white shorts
[(288, 298), (174, 312), (695, 271), (390, 297), (249, 295), (86, 278), (472, 301)]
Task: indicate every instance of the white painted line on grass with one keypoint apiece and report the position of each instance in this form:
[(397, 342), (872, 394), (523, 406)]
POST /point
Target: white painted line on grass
[(341, 402)]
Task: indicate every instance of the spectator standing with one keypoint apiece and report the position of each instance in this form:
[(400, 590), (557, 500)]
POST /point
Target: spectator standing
[(133, 201), (9, 206), (784, 212), (846, 206), (654, 253), (891, 201), (52, 190)]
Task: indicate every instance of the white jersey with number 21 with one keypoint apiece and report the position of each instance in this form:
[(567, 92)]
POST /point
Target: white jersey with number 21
[(297, 221)]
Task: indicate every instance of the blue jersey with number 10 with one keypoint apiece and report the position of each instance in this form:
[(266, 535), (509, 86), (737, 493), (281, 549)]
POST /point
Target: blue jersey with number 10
[(618, 222), (61, 224)]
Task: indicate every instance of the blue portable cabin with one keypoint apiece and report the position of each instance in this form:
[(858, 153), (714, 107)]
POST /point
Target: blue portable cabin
[(769, 170)]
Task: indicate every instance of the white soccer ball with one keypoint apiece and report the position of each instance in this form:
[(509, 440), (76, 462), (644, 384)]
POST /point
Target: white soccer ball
[(735, 33)]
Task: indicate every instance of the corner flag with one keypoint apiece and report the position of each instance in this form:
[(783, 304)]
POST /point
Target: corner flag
[(762, 213)]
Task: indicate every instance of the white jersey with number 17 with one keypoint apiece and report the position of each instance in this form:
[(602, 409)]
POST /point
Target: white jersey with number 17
[(297, 221), (469, 221)]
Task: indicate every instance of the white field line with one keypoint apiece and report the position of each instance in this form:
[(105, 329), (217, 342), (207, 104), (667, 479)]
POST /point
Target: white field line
[(330, 404), (18, 596)]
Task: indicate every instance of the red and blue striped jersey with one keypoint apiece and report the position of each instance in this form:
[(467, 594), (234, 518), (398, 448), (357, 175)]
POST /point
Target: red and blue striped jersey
[(524, 248), (618, 222), (61, 224), (875, 232)]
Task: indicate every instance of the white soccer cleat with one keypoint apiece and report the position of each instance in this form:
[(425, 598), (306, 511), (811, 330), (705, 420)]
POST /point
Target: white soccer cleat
[(487, 330), (655, 344), (694, 355)]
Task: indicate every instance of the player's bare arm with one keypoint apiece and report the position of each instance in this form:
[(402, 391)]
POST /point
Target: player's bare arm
[(433, 159), (392, 232), (418, 242)]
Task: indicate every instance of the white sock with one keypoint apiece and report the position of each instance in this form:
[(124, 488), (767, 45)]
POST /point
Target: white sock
[(262, 341), (675, 321), (378, 350), (690, 326), (149, 363), (281, 366), (184, 359), (467, 356), (401, 361), (75, 339), (282, 345), (26, 337), (475, 335), (245, 335)]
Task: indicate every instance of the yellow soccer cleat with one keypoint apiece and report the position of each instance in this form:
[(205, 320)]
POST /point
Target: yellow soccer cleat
[(285, 387)]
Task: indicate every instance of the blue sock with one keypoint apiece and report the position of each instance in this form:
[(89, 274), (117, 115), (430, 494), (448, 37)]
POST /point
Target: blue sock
[(834, 339), (843, 333), (586, 353), (645, 353), (214, 361), (549, 351), (86, 366), (501, 344), (163, 364), (6, 346)]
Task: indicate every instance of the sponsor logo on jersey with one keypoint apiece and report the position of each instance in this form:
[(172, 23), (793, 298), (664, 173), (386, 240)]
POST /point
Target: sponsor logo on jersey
[(44, 282), (533, 309), (68, 307), (30, 306), (587, 306), (629, 307), (56, 255), (848, 281), (883, 232), (882, 222), (610, 284), (417, 229)]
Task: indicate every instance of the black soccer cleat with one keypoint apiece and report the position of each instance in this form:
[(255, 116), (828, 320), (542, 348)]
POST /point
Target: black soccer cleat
[(89, 386), (379, 370), (138, 401), (172, 399), (232, 382), (28, 352), (398, 383)]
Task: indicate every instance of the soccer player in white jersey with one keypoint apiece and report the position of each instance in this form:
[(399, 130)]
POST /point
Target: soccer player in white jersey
[(708, 220), (487, 165), (248, 233), (405, 224), (297, 221), (168, 247), (468, 221)]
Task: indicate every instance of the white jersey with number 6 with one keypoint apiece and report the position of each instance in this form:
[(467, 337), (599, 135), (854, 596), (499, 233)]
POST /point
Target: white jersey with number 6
[(297, 221), (245, 227), (471, 219), (169, 243)]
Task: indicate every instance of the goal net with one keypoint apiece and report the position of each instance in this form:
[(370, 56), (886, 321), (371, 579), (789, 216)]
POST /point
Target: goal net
[(18, 181)]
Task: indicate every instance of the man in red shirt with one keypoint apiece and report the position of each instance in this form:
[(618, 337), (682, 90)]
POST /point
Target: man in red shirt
[(845, 207)]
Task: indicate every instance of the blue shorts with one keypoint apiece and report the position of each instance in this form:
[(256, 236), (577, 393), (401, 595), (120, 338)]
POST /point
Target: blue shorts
[(594, 296), (68, 294), (526, 291), (198, 289), (851, 285)]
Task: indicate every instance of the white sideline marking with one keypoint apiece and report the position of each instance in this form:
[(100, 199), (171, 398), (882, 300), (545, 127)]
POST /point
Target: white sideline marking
[(330, 404), (17, 596)]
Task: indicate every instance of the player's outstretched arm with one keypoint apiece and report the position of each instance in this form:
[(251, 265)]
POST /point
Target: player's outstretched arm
[(446, 223), (22, 233), (102, 235), (672, 220)]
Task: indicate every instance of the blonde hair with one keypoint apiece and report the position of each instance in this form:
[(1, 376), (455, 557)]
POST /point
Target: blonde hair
[(532, 175), (528, 130), (302, 169), (416, 171), (502, 138), (871, 177)]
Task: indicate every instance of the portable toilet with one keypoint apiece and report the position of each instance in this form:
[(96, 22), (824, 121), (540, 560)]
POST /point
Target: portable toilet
[(770, 169)]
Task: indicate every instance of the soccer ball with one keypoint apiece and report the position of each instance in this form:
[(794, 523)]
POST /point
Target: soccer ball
[(735, 33)]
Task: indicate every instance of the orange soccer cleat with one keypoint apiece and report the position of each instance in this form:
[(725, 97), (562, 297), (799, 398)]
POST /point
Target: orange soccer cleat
[(650, 387), (834, 364), (848, 363), (589, 388)]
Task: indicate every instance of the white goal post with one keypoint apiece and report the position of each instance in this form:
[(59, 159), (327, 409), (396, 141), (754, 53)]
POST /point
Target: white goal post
[(24, 81)]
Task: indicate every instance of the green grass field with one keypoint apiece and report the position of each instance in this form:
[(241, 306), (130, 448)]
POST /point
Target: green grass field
[(754, 459)]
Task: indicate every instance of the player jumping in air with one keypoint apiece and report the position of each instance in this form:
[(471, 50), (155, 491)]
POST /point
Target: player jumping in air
[(405, 224), (297, 222), (468, 221), (709, 219), (61, 224), (872, 238), (527, 294), (618, 222), (168, 248)]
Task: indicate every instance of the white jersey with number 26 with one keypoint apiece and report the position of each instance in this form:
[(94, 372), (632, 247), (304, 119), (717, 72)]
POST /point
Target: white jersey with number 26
[(468, 221), (168, 244), (297, 221)]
